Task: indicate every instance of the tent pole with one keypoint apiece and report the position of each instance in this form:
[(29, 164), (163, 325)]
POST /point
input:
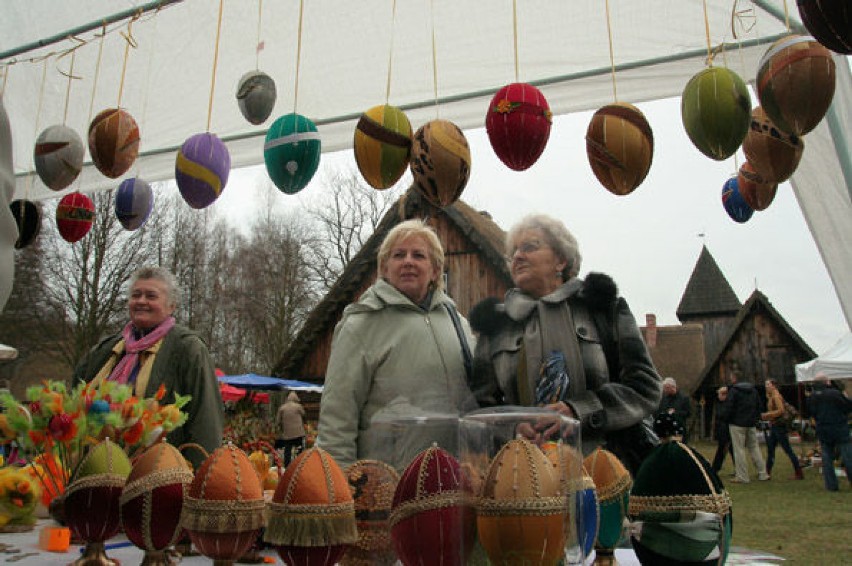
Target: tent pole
[(86, 28)]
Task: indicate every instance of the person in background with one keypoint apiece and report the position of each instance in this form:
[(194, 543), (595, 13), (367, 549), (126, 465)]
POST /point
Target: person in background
[(778, 430), (830, 408), (154, 350), (745, 412), (607, 379), (723, 434), (291, 427), (676, 404), (400, 352)]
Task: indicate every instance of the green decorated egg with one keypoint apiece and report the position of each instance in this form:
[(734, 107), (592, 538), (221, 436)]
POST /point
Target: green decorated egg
[(716, 110)]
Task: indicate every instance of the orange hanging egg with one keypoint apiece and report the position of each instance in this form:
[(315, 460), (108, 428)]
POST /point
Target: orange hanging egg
[(757, 193), (113, 141), (620, 147), (773, 154)]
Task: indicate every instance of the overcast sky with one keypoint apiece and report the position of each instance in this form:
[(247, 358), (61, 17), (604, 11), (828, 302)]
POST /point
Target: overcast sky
[(648, 241)]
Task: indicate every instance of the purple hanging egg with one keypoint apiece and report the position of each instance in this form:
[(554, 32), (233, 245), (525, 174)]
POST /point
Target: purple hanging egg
[(134, 201), (201, 169)]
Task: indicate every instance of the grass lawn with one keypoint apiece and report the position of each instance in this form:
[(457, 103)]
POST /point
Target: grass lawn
[(797, 520)]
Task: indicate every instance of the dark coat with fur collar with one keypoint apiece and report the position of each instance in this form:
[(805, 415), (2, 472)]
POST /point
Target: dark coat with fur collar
[(622, 385)]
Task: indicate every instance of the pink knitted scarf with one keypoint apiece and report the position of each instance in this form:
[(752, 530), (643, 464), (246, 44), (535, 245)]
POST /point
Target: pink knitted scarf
[(132, 347)]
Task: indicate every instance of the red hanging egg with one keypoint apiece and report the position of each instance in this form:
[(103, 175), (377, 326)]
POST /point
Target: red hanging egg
[(795, 83), (440, 162), (113, 142), (432, 519), (74, 216), (757, 193), (518, 125), (224, 510), (620, 147), (773, 154), (830, 22)]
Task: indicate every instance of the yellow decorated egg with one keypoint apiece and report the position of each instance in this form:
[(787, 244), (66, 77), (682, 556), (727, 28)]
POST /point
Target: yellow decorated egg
[(620, 147), (382, 145)]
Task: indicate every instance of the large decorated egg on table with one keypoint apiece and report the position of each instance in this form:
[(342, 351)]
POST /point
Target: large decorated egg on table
[(224, 510), (312, 516), (382, 145), (830, 22), (256, 96), (202, 166), (583, 524), (58, 156), (28, 220), (113, 141), (620, 147), (612, 481), (521, 509), (92, 497), (292, 152), (152, 499), (795, 83), (757, 193), (679, 510), (372, 484), (734, 203), (432, 517), (715, 109), (74, 216), (440, 162), (134, 201), (773, 154), (518, 125)]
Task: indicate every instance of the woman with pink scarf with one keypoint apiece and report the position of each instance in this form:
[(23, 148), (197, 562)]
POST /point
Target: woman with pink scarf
[(153, 350)]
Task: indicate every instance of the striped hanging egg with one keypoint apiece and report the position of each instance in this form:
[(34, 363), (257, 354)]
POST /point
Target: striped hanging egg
[(620, 147), (518, 125), (382, 145), (134, 201), (715, 109), (113, 142), (830, 22), (773, 154), (440, 162), (292, 152), (75, 214), (58, 156), (202, 166)]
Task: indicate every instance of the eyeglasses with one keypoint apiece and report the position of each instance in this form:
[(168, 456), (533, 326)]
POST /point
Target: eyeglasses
[(526, 247)]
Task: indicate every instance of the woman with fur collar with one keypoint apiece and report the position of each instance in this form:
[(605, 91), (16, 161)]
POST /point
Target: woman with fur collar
[(553, 319)]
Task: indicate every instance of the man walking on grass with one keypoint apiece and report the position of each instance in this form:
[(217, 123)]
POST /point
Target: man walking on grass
[(745, 412)]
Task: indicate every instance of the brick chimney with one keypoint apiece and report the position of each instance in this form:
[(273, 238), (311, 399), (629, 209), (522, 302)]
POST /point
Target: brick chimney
[(651, 330)]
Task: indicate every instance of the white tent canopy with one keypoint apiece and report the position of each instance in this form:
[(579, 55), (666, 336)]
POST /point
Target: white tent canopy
[(835, 363), (437, 58)]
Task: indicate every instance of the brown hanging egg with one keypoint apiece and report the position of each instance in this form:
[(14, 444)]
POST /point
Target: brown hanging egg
[(440, 162), (757, 193), (773, 154), (620, 147)]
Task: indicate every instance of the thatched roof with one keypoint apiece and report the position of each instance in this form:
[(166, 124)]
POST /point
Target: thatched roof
[(708, 292)]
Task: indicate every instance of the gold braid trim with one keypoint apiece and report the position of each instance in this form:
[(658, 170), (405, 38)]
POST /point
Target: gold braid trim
[(151, 481), (719, 503), (96, 480), (311, 525), (615, 490), (539, 506), (223, 516), (440, 500)]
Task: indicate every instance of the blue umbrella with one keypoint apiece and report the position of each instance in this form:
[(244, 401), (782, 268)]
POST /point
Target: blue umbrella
[(254, 381)]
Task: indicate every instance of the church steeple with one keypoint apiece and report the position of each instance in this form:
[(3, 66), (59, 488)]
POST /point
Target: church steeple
[(708, 294)]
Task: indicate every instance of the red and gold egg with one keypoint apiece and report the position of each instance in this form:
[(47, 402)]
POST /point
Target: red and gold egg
[(440, 162), (372, 484), (382, 145), (432, 518), (773, 153), (152, 499), (312, 514), (522, 507), (92, 498), (224, 510), (113, 141), (620, 147), (75, 214), (518, 125)]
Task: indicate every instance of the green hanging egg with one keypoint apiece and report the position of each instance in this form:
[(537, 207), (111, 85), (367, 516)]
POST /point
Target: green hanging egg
[(292, 152), (716, 111)]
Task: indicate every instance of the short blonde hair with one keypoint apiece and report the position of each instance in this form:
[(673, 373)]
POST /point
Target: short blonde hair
[(407, 229), (558, 237)]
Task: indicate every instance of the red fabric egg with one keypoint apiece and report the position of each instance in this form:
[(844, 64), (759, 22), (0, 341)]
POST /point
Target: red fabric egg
[(432, 517), (757, 193), (773, 154), (74, 216), (113, 142), (518, 125)]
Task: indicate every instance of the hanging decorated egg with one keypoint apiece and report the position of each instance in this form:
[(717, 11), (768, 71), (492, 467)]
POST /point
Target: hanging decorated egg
[(679, 510), (224, 510), (518, 125), (830, 22), (620, 147), (521, 508), (432, 520), (152, 499), (757, 193), (292, 152), (773, 154), (312, 515), (715, 110), (372, 484), (113, 141), (440, 162), (58, 156), (75, 214), (202, 167), (613, 482), (28, 220), (795, 83), (256, 96), (92, 497), (134, 201), (734, 203), (382, 145)]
